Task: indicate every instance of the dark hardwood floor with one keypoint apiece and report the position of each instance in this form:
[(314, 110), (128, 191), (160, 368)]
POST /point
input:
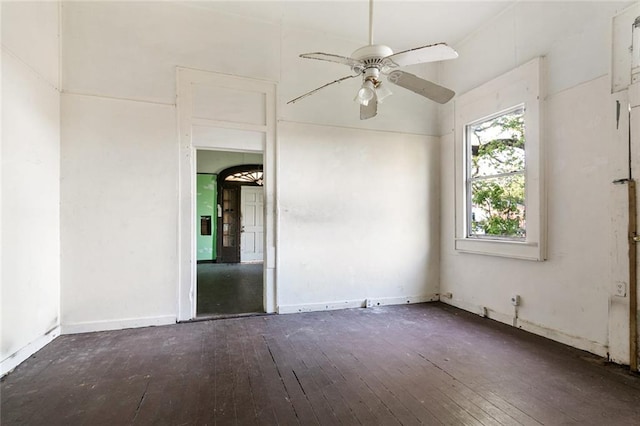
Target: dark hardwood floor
[(412, 364), (229, 288)]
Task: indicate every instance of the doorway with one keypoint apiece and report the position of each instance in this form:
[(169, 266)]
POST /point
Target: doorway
[(241, 215), (230, 233), (225, 113)]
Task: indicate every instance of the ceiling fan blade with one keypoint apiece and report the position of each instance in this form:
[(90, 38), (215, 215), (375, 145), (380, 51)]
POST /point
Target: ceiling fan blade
[(419, 55), (320, 88), (332, 58), (422, 87), (370, 110)]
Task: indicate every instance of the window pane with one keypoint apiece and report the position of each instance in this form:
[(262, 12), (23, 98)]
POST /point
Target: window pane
[(496, 145), (497, 207), (247, 176), (229, 227)]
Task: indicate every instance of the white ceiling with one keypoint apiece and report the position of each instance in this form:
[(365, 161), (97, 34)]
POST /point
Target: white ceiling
[(400, 24)]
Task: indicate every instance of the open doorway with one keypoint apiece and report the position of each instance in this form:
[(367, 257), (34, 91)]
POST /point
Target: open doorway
[(223, 113), (229, 233)]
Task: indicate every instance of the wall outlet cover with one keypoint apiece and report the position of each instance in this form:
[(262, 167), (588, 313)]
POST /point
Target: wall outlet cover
[(620, 289)]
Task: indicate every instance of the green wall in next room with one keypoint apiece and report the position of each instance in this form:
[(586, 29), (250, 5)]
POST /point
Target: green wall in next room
[(206, 190)]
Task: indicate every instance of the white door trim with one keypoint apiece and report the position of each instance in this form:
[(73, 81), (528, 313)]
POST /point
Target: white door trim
[(187, 79)]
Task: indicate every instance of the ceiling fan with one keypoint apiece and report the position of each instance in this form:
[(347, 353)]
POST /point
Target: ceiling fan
[(375, 60)]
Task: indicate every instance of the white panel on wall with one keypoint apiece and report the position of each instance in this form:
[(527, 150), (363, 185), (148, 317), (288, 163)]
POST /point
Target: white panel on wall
[(30, 283), (233, 139), (30, 32), (120, 213), (621, 45), (131, 49), (225, 104), (358, 216), (574, 36), (618, 147)]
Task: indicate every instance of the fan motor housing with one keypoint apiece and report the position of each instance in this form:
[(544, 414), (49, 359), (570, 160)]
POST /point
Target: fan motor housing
[(372, 52)]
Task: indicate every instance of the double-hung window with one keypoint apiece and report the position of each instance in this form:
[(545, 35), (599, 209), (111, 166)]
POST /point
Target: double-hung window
[(499, 180), (495, 176)]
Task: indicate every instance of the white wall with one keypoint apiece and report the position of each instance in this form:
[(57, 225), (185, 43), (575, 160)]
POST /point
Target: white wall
[(358, 217), (130, 49), (217, 161), (30, 285), (120, 154), (119, 197), (567, 296), (574, 36)]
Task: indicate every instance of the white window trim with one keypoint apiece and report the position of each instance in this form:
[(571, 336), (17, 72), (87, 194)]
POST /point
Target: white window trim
[(521, 86)]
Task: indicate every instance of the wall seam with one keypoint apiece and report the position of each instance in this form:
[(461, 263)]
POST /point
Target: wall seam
[(115, 98), (395, 132), (32, 70)]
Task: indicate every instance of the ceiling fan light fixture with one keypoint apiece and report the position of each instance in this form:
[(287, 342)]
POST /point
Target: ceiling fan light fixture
[(373, 61), (382, 92), (366, 93)]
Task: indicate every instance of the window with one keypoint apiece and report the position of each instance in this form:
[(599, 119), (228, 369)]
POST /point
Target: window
[(495, 176), (499, 184), (251, 176)]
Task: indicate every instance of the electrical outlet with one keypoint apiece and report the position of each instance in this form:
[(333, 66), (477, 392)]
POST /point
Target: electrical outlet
[(620, 289), (515, 300)]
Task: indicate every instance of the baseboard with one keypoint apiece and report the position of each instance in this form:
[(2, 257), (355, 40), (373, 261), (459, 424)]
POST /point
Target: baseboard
[(574, 341), (15, 359), (91, 326), (479, 310), (356, 303), (326, 306), (558, 336), (382, 301)]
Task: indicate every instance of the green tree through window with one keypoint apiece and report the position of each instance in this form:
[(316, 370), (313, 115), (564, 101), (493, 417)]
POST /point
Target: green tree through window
[(496, 176)]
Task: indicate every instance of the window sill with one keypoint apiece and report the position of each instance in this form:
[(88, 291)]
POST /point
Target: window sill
[(513, 249)]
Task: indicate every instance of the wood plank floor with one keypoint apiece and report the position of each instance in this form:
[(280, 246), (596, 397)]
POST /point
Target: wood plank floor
[(229, 288), (400, 365)]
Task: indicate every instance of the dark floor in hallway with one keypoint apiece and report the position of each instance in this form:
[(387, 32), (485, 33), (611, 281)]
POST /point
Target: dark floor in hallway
[(409, 364), (229, 288)]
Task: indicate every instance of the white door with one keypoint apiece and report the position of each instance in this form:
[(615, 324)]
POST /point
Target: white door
[(252, 231)]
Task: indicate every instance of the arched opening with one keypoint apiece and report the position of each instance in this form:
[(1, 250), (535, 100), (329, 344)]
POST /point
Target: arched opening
[(240, 214)]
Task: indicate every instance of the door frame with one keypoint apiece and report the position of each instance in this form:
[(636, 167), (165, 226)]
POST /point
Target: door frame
[(188, 80)]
